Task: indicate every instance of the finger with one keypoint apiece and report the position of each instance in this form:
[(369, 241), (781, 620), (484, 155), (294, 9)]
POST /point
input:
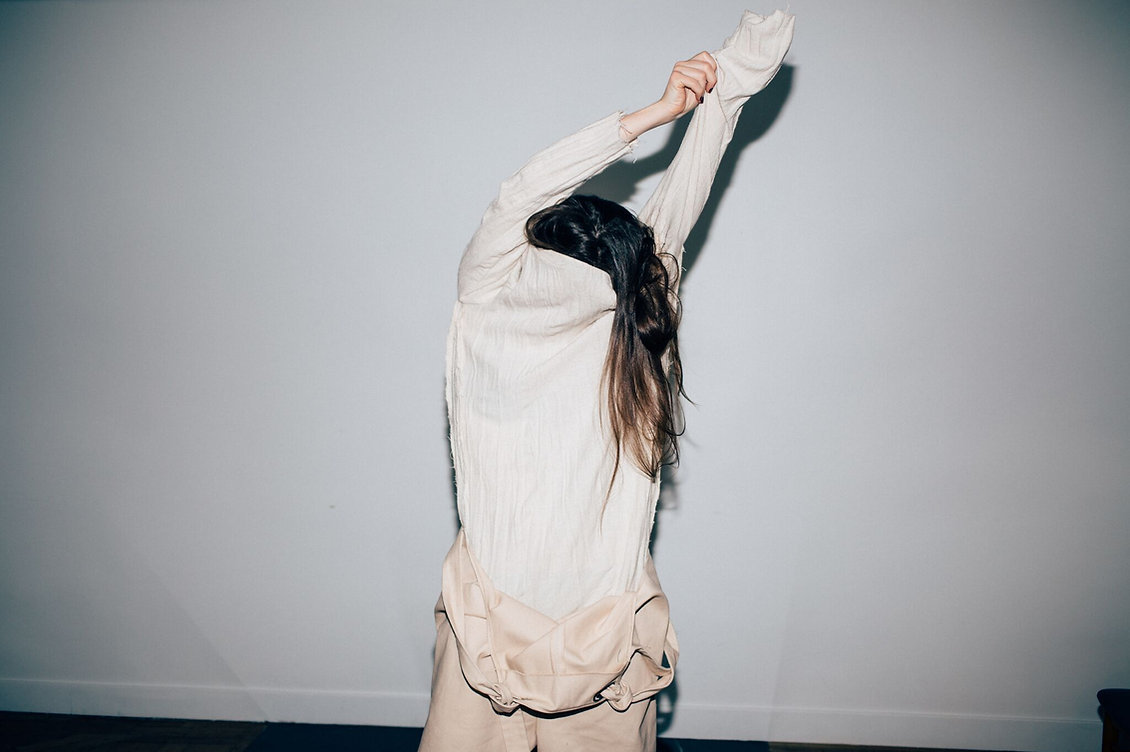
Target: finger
[(694, 82), (707, 70), (712, 65), (706, 57), (698, 71), (680, 93)]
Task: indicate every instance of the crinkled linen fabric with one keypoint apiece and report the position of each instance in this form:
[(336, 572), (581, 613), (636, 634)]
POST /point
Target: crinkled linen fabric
[(549, 589)]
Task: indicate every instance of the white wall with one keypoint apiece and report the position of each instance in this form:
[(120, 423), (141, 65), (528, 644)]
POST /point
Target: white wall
[(228, 236)]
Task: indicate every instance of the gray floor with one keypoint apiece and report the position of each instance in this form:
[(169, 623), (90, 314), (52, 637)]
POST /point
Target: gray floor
[(42, 732)]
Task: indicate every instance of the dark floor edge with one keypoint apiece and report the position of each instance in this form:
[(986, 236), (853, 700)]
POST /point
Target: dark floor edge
[(21, 730)]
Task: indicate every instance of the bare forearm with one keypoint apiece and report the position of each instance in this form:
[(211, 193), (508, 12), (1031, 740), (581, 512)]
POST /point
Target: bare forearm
[(688, 84), (643, 120)]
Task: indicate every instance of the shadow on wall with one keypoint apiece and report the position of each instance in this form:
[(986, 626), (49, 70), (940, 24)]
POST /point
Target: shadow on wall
[(618, 182)]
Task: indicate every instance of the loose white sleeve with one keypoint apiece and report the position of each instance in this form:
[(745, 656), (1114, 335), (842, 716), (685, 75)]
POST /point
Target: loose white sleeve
[(747, 62), (549, 176)]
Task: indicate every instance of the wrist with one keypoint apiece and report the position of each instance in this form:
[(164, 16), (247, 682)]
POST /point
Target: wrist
[(643, 120)]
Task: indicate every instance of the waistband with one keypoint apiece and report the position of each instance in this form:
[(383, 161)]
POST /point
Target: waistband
[(610, 651)]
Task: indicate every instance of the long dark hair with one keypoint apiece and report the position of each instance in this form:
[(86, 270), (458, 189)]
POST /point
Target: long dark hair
[(643, 375)]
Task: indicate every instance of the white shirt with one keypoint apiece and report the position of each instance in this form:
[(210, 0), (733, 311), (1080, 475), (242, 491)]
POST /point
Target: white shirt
[(528, 339)]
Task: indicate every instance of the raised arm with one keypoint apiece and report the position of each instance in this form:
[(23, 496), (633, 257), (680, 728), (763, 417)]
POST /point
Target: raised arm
[(717, 84), (550, 175), (746, 63)]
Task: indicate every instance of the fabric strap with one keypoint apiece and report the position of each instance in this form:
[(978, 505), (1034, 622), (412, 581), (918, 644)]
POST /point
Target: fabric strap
[(612, 650)]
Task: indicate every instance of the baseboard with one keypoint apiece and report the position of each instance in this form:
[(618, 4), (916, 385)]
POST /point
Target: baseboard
[(686, 720), (885, 728), (214, 703)]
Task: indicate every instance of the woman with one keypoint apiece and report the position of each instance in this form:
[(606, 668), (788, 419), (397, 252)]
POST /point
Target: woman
[(552, 629)]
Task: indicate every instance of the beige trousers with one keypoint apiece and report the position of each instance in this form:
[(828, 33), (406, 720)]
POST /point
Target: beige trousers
[(462, 720), (508, 678)]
